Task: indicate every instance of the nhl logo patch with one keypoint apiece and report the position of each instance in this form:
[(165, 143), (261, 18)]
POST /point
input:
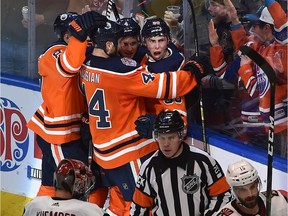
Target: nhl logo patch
[(128, 62), (190, 183)]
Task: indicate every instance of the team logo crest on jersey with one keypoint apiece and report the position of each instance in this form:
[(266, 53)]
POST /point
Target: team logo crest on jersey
[(147, 77), (128, 62), (190, 183), (225, 212), (57, 53)]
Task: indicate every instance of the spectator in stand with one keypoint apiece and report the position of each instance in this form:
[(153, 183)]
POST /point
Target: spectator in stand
[(178, 179), (72, 180), (246, 185), (177, 31), (270, 39), (95, 5), (14, 33), (57, 121), (252, 129)]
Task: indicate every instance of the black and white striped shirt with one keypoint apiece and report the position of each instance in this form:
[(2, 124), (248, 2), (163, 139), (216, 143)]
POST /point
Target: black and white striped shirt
[(191, 184)]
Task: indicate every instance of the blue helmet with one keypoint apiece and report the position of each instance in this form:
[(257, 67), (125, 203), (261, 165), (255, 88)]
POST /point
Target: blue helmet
[(131, 27), (111, 32), (155, 27), (62, 22)]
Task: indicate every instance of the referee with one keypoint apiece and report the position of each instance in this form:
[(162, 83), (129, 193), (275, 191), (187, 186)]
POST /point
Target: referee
[(178, 180)]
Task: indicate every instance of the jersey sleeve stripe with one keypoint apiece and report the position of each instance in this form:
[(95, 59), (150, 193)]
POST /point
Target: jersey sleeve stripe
[(167, 85), (122, 152), (119, 146), (174, 85), (160, 87), (116, 140), (218, 187), (142, 199), (61, 70)]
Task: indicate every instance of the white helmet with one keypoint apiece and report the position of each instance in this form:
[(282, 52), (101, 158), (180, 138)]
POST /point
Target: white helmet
[(266, 16), (241, 173)]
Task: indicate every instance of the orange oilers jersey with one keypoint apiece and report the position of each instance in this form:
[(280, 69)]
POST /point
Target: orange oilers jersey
[(58, 118), (173, 62), (114, 89)]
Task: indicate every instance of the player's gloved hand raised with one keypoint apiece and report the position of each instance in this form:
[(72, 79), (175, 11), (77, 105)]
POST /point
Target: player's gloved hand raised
[(81, 26), (144, 125), (199, 66)]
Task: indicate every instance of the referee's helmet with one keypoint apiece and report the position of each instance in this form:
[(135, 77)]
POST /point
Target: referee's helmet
[(241, 173), (168, 122), (73, 176)]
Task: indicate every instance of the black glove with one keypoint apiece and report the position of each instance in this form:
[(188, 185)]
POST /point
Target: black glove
[(144, 125), (199, 66), (80, 27)]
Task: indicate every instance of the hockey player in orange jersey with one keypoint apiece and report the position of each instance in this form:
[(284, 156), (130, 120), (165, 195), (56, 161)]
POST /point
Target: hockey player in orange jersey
[(57, 121), (114, 89)]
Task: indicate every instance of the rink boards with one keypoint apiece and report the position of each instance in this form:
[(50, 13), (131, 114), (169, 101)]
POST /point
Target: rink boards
[(21, 157)]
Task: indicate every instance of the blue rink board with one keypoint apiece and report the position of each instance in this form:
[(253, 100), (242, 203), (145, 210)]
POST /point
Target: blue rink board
[(213, 138), (234, 146)]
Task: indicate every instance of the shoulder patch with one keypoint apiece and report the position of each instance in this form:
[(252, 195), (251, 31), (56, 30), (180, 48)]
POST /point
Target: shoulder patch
[(147, 77), (129, 62)]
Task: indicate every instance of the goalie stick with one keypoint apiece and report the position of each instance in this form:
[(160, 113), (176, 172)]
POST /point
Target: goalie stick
[(270, 73), (205, 144)]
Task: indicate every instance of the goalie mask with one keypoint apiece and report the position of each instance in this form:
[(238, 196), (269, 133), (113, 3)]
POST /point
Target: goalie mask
[(73, 176)]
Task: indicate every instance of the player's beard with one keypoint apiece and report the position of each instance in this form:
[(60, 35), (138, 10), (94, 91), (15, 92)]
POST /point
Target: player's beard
[(249, 202)]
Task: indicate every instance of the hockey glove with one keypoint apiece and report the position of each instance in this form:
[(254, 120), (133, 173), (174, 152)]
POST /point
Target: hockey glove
[(80, 27), (144, 125), (199, 66)]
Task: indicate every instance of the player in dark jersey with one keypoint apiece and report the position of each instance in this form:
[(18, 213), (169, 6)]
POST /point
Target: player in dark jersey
[(162, 55), (178, 179), (129, 44)]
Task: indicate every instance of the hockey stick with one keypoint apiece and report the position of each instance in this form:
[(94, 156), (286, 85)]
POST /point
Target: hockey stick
[(270, 73), (206, 146), (90, 158), (111, 7)]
